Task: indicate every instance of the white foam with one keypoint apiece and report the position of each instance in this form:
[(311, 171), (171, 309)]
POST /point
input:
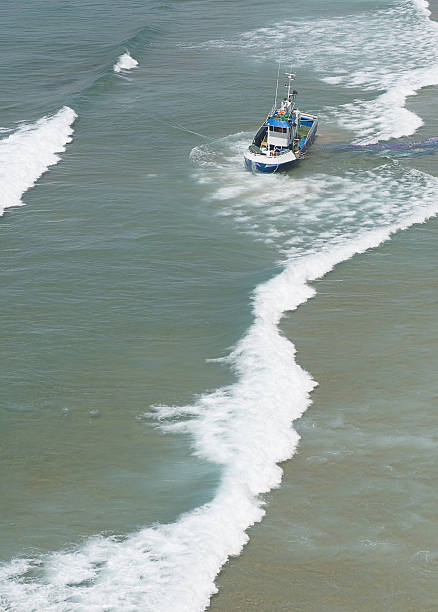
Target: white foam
[(393, 50), (423, 5), (304, 216), (386, 116), (125, 62), (245, 427), (27, 153)]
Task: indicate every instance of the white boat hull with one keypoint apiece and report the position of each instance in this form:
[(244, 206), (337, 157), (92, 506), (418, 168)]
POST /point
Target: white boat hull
[(266, 164)]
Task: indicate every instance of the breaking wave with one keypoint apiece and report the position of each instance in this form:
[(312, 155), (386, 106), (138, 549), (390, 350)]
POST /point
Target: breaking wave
[(125, 62), (29, 151), (246, 427), (393, 50)]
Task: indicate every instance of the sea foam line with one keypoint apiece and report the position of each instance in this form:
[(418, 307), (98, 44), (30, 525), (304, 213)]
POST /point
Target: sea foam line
[(391, 51), (246, 427), (389, 116), (28, 153)]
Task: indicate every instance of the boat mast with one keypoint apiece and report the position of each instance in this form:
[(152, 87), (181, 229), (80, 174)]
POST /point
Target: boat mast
[(290, 77), (278, 76), (276, 88)]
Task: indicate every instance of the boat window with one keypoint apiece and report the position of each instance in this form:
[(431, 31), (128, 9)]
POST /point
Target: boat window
[(277, 129)]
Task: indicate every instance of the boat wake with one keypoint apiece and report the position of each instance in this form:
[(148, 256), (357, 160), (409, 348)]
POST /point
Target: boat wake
[(429, 146), (297, 216)]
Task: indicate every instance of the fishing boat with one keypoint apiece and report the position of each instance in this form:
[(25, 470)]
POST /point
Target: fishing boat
[(284, 137)]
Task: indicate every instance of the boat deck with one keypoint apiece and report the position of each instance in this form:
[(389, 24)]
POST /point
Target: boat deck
[(283, 116)]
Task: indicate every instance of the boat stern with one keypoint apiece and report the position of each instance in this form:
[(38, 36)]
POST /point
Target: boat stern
[(256, 162)]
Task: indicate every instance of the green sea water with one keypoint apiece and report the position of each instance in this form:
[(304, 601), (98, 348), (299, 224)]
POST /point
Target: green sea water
[(132, 267), (354, 525)]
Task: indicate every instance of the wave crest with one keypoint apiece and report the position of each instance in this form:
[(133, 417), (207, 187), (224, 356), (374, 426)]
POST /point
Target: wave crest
[(125, 62), (28, 153)]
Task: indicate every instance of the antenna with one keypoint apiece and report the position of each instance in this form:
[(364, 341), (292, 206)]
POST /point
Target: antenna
[(291, 77), (278, 74), (276, 88)]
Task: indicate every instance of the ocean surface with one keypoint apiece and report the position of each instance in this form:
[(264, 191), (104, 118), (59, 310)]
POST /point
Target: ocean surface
[(217, 389)]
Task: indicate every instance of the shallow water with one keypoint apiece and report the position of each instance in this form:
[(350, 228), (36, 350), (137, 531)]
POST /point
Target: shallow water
[(353, 525), (145, 252)]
